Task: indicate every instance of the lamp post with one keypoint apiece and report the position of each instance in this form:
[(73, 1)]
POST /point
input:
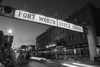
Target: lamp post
[(9, 37)]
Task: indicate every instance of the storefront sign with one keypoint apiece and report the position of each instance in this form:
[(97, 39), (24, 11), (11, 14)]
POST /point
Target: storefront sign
[(46, 20)]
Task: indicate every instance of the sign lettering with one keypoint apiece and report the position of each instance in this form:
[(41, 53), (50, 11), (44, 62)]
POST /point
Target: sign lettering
[(64, 24), (46, 20)]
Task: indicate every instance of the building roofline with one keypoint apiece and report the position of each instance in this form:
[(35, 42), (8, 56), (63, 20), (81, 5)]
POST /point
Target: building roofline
[(50, 28), (85, 6)]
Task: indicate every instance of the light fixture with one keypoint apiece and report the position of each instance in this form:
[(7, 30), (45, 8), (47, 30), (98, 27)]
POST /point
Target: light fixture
[(10, 31)]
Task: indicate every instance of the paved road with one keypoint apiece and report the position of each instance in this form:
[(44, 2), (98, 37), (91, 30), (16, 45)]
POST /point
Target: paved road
[(57, 63), (40, 64)]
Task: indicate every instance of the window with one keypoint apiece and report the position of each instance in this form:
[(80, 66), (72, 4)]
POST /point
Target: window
[(69, 37), (82, 35), (73, 38)]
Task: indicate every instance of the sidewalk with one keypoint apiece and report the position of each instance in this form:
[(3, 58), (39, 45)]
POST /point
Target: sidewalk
[(85, 61)]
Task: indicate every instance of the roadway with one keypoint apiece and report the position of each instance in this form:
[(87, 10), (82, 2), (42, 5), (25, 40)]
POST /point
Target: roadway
[(34, 63), (58, 63)]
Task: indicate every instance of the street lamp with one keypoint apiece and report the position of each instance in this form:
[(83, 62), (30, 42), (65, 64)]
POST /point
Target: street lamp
[(10, 31), (9, 37)]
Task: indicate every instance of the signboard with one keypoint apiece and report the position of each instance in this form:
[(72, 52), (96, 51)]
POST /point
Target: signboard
[(77, 28), (35, 17), (46, 20), (64, 24), (70, 26)]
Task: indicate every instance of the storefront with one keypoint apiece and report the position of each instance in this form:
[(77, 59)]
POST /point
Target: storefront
[(82, 50)]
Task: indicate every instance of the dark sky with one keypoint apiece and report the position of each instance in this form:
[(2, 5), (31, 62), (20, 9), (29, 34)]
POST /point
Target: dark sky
[(25, 32)]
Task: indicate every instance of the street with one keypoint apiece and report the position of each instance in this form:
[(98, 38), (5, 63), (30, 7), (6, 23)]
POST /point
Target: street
[(58, 63), (39, 64), (39, 34)]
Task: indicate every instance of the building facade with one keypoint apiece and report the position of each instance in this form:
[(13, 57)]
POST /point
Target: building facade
[(59, 36), (71, 39), (88, 15)]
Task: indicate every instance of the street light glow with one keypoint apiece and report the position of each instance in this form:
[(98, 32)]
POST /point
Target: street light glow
[(10, 31)]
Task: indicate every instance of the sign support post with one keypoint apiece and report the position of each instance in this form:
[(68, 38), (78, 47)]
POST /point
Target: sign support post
[(91, 36)]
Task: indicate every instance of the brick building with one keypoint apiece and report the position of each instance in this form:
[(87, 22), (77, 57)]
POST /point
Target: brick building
[(60, 36), (88, 14)]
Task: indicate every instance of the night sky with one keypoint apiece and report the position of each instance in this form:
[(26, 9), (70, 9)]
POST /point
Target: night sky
[(25, 32)]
